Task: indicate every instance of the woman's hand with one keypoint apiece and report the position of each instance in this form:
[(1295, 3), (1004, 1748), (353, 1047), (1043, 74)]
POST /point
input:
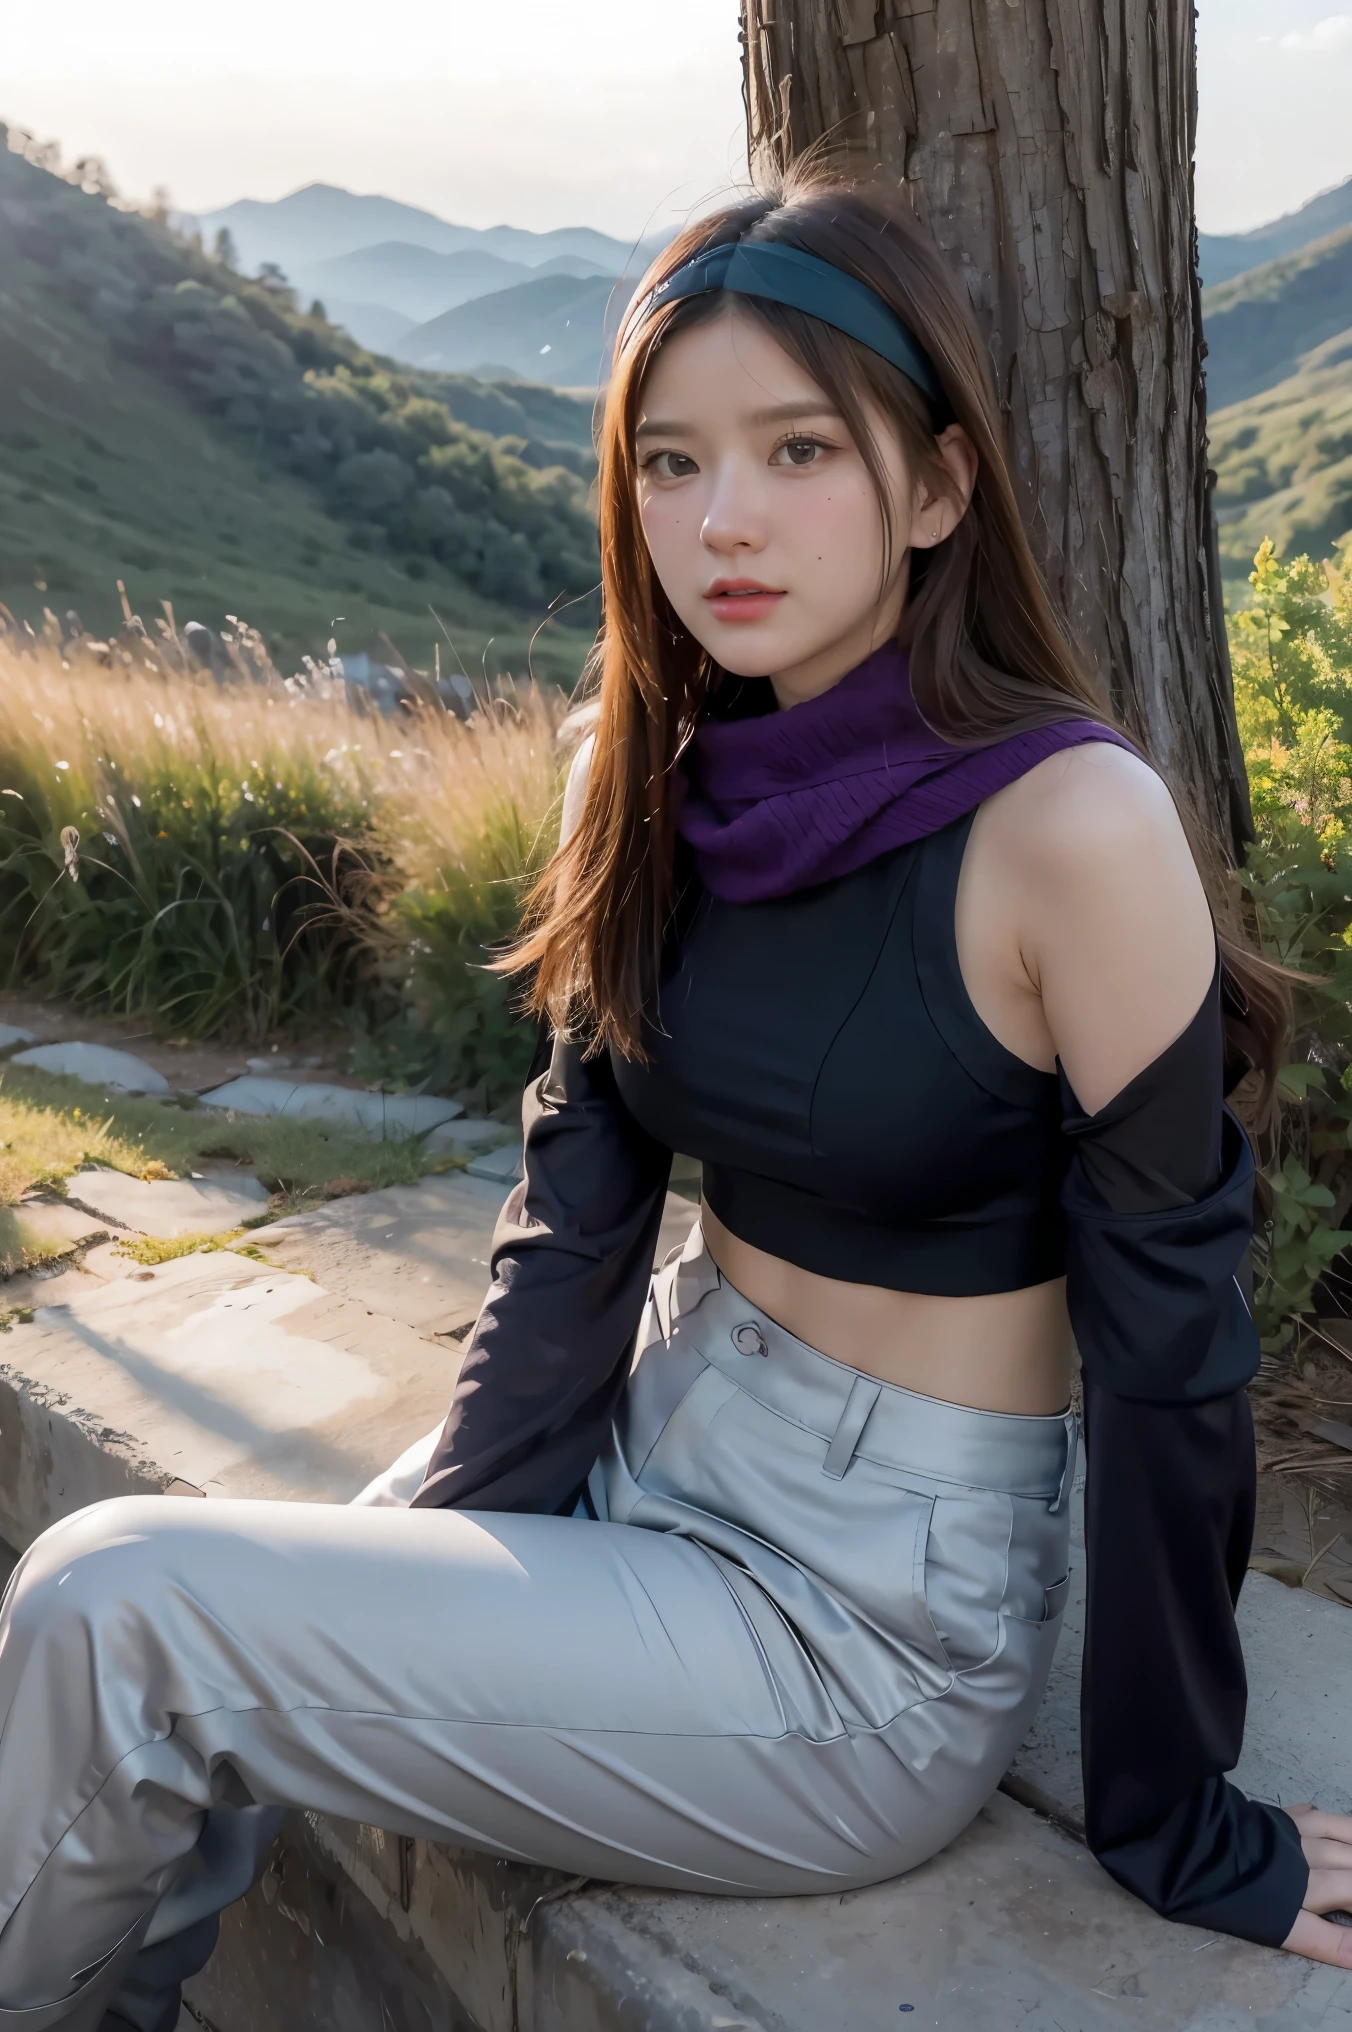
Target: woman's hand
[(1327, 1841)]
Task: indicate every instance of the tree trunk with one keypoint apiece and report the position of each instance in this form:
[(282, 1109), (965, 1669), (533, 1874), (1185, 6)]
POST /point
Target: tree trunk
[(1047, 147)]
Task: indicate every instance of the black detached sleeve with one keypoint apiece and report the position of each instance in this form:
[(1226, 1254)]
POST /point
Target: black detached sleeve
[(1159, 1203), (572, 1257)]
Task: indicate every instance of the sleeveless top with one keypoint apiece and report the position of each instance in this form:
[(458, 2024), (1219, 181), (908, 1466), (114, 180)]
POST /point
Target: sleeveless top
[(820, 1054)]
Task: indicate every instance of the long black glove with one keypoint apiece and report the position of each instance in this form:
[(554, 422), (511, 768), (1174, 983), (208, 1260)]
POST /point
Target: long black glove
[(1157, 1289), (572, 1258)]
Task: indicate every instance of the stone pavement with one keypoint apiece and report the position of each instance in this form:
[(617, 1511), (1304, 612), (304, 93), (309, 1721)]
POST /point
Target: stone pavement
[(302, 1368), (121, 1072), (168, 1208), (355, 1109)]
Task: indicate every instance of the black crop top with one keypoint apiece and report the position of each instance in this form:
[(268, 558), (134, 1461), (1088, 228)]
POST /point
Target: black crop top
[(853, 1113), (855, 1116)]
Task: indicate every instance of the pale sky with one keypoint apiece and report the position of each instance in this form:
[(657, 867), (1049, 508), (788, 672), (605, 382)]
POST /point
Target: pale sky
[(612, 113)]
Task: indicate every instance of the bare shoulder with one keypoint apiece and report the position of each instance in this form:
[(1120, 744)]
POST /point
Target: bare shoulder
[(1086, 860), (1095, 801), (1094, 830)]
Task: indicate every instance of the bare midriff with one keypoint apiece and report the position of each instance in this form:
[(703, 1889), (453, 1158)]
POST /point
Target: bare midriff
[(1003, 1351)]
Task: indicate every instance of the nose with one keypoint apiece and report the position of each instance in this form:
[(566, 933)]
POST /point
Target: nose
[(734, 516)]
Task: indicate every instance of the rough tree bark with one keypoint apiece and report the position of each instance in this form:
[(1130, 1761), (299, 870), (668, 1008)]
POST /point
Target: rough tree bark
[(1047, 145)]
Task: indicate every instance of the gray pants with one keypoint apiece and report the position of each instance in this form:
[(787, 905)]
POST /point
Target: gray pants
[(795, 1654)]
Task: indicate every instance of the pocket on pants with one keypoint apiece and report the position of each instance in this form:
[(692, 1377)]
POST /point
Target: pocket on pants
[(1039, 1563), (966, 1574), (1054, 1599)]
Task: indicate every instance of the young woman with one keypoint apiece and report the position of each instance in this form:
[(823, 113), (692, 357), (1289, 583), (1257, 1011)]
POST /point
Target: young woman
[(746, 1577)]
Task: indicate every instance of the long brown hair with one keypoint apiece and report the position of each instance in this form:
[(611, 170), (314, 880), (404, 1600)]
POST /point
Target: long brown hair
[(989, 653)]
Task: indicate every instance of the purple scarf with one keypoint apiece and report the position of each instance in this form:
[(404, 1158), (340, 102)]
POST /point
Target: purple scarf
[(789, 799)]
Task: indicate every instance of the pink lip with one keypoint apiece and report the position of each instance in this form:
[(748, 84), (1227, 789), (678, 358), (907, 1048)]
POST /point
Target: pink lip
[(742, 599)]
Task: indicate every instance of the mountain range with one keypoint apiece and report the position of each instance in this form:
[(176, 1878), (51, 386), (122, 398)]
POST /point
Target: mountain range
[(505, 303), (209, 439), (321, 222), (395, 277), (1283, 461), (1262, 325), (174, 425), (1221, 256), (1279, 383)]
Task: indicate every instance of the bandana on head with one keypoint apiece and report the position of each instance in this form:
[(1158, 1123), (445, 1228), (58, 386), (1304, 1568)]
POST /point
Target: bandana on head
[(793, 798)]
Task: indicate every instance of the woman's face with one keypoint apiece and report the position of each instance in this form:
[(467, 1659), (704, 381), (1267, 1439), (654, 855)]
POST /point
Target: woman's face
[(761, 518)]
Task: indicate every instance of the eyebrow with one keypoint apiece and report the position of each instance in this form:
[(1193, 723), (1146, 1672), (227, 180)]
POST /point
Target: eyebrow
[(784, 412)]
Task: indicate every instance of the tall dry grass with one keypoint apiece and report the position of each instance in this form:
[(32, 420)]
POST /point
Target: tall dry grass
[(230, 857)]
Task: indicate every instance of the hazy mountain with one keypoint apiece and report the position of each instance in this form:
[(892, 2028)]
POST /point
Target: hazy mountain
[(371, 324), (418, 284), (321, 222), (1223, 255), (553, 328), (1262, 326)]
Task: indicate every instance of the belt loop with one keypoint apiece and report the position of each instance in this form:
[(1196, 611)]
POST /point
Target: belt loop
[(687, 1275), (860, 1402), (1072, 1428), (663, 1296)]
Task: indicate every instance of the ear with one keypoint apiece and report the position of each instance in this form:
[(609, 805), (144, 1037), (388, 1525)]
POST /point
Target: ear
[(943, 493)]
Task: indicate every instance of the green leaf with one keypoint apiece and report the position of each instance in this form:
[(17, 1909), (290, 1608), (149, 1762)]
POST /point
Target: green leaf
[(1297, 1080)]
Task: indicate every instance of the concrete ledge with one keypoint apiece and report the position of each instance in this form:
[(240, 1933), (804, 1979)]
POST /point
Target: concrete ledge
[(304, 1376), (212, 1371), (1012, 1926)]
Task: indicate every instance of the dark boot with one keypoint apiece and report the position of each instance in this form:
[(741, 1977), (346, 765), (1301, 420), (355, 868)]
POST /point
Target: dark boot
[(150, 1995)]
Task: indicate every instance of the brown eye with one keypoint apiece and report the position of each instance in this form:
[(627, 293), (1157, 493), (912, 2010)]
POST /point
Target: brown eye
[(672, 465), (799, 451)]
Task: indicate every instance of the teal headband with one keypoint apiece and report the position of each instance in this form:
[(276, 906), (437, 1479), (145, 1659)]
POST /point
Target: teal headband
[(786, 275)]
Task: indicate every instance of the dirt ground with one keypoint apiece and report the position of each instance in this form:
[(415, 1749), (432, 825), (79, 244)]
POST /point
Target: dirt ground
[(1303, 1417)]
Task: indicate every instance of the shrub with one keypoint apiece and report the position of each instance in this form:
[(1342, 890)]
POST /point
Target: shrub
[(226, 859), (1292, 655)]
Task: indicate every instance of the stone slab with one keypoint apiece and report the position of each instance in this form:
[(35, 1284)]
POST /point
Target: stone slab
[(382, 1117), (413, 1253), (213, 1370), (418, 1254), (30, 1290), (58, 1283), (50, 1227), (11, 1034), (1298, 1743), (98, 1065), (169, 1207), (1014, 1925), (502, 1167), (468, 1136)]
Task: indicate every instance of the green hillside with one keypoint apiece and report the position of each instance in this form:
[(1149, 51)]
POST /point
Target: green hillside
[(1284, 462), (1279, 386), (1261, 327), (166, 422)]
